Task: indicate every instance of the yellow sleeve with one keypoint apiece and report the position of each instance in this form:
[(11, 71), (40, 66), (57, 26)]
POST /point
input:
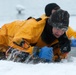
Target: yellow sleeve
[(71, 33), (75, 34), (30, 33)]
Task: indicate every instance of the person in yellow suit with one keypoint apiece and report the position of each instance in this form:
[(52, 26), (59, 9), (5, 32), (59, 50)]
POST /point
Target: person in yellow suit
[(41, 32), (10, 30), (12, 35)]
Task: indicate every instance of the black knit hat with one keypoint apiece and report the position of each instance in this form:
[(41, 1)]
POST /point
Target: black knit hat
[(49, 7), (59, 19)]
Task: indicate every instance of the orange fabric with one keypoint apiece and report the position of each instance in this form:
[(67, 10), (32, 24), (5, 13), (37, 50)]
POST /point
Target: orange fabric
[(71, 33), (8, 31), (15, 32), (75, 34), (3, 48), (30, 32), (58, 52)]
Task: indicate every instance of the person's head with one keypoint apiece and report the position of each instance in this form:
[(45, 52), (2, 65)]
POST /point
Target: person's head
[(59, 20), (50, 8)]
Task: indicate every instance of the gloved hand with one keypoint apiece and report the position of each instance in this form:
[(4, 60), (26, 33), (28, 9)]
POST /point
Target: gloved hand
[(16, 55), (46, 53), (2, 56), (56, 58), (73, 43)]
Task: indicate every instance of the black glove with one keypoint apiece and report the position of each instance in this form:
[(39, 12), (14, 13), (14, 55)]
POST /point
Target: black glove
[(64, 43), (2, 56), (16, 55), (58, 59), (22, 56)]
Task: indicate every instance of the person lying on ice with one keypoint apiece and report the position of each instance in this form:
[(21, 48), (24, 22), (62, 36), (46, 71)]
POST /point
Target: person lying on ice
[(7, 36), (44, 32)]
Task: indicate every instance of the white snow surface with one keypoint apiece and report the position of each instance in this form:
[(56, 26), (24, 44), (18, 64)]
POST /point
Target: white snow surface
[(63, 68)]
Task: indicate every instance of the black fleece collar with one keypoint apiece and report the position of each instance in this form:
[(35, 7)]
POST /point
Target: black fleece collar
[(47, 35)]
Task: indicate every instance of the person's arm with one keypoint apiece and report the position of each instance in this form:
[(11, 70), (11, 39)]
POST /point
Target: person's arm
[(71, 33), (27, 35)]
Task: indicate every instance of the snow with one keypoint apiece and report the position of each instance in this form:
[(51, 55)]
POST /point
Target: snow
[(73, 22), (14, 68), (66, 67)]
